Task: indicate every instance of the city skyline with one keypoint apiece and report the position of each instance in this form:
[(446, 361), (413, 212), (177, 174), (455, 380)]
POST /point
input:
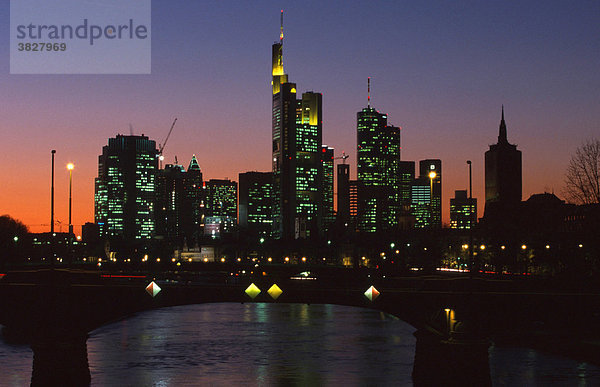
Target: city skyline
[(447, 104)]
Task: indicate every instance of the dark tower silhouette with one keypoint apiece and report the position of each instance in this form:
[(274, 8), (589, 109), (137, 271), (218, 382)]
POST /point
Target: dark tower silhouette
[(343, 193), (503, 171), (327, 161)]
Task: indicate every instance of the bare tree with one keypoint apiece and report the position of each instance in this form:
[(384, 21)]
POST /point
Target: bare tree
[(582, 180)]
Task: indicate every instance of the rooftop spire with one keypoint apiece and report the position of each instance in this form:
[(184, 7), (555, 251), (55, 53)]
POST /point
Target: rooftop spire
[(194, 166), (369, 92), (281, 32), (502, 139)]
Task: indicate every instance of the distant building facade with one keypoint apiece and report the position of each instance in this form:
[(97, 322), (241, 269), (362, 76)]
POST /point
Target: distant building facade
[(220, 207), (463, 211), (256, 203)]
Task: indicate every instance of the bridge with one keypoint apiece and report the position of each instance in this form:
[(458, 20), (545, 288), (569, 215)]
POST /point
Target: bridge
[(455, 317)]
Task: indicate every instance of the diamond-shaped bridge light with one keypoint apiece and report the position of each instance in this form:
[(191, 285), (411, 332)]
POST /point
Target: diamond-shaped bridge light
[(153, 289), (275, 291), (372, 293), (252, 291)]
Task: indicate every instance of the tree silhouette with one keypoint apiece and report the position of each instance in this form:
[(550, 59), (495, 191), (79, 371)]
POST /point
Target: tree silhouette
[(13, 235), (582, 180)]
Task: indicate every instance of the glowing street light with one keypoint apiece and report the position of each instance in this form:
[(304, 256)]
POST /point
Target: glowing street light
[(432, 175)]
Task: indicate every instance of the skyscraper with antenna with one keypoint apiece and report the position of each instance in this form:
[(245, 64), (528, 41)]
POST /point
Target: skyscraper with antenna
[(297, 168), (378, 163), (503, 170)]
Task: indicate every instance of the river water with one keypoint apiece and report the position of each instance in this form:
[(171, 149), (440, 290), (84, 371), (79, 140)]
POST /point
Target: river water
[(276, 345)]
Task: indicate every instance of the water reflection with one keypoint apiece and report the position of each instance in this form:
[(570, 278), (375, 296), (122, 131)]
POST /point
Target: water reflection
[(276, 344), (254, 344)]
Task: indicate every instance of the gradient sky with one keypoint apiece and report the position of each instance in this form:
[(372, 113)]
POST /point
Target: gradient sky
[(441, 70)]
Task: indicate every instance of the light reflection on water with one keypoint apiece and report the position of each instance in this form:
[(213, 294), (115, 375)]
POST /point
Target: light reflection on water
[(276, 344), (256, 344)]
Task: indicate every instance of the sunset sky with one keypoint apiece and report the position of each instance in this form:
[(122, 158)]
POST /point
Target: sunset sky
[(441, 70)]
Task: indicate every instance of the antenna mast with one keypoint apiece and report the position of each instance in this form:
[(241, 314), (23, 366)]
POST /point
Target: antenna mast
[(281, 33), (369, 92)]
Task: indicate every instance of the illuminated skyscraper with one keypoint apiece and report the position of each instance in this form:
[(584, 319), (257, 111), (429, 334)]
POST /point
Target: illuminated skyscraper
[(378, 171), (125, 189), (256, 202), (463, 211), (503, 171), (297, 167)]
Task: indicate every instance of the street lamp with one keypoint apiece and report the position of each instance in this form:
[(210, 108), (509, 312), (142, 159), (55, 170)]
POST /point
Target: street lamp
[(70, 167), (471, 213), (52, 235), (52, 195), (432, 176)]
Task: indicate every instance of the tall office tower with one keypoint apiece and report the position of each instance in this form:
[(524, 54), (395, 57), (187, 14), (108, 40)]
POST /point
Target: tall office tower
[(463, 211), (179, 206), (343, 193), (125, 189), (297, 167), (503, 175), (327, 189), (426, 195), (193, 221), (170, 198), (407, 176), (378, 170), (221, 206), (256, 203)]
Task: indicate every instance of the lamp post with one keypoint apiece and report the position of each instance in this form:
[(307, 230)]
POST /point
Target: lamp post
[(52, 212), (471, 261), (52, 196), (70, 167), (432, 176)]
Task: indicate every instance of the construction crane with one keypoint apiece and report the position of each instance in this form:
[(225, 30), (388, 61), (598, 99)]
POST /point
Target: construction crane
[(343, 157), (162, 147)]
